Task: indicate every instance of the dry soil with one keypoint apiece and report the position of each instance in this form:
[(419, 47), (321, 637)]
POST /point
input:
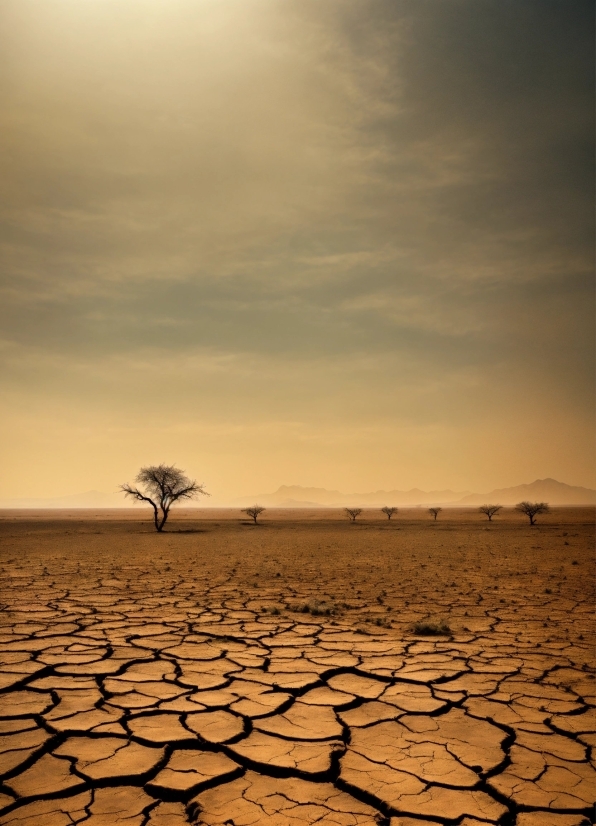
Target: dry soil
[(284, 673)]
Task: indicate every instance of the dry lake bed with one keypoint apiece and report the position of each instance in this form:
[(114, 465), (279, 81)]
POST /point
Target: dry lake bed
[(226, 673)]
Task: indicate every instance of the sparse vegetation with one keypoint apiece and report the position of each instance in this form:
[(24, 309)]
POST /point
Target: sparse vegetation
[(532, 509), (430, 628), (389, 512), (353, 513), (435, 512), (161, 486), (254, 512), (316, 608), (490, 510)]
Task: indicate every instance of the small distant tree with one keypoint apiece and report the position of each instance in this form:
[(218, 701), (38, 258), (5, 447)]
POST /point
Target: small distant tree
[(435, 512), (160, 486), (353, 513), (490, 510), (532, 509), (388, 511), (254, 512)]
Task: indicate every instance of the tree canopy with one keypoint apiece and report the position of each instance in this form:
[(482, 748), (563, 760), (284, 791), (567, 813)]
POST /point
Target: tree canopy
[(532, 509), (353, 513), (254, 511), (160, 486), (490, 510), (388, 511)]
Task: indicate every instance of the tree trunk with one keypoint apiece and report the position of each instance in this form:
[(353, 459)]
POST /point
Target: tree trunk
[(164, 518), (155, 517)]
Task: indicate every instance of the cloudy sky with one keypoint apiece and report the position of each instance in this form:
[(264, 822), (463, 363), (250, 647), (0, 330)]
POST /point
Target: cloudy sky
[(317, 242)]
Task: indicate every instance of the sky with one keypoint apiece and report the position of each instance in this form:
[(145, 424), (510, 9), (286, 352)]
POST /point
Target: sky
[(340, 244)]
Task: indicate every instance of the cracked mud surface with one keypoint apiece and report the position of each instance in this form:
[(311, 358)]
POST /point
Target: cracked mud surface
[(223, 673)]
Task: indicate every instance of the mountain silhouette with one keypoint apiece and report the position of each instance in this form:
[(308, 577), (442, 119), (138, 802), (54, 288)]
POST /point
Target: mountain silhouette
[(542, 490)]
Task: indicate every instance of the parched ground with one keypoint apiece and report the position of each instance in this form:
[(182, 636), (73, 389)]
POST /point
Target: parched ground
[(225, 673)]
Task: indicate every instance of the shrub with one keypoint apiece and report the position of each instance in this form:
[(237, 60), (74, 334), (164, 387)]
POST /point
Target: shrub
[(429, 628)]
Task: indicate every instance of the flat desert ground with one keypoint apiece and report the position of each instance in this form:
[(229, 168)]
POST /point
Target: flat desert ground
[(227, 673)]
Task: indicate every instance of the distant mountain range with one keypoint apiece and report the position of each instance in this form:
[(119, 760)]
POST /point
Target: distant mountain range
[(295, 496), (542, 490), (90, 499)]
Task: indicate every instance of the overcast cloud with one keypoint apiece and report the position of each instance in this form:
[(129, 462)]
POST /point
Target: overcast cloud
[(346, 244)]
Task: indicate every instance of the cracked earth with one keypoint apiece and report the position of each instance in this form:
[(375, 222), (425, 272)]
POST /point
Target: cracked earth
[(223, 673)]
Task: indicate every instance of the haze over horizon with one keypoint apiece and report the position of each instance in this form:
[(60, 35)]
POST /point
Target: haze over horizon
[(348, 245)]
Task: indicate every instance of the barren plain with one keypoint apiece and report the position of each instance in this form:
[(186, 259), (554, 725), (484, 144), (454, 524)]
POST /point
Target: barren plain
[(226, 673)]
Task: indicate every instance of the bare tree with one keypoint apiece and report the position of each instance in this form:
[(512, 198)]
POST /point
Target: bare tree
[(490, 510), (388, 511), (435, 512), (532, 509), (253, 512), (353, 513), (161, 486)]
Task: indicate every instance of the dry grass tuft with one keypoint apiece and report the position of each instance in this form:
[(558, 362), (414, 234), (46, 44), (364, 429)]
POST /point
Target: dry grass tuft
[(428, 628)]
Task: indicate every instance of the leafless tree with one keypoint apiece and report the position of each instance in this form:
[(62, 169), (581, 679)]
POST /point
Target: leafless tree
[(253, 512), (353, 513), (490, 510), (532, 509), (435, 512), (161, 486), (388, 511)]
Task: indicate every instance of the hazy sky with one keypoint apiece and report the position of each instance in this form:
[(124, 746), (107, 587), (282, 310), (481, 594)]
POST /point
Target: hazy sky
[(321, 242)]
